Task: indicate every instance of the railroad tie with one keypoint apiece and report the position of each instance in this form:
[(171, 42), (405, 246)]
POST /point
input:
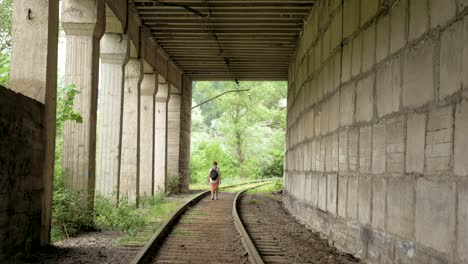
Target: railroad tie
[(204, 234)]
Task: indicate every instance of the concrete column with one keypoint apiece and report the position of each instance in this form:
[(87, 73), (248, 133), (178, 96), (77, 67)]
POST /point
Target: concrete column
[(185, 131), (113, 57), (160, 137), (173, 133), (129, 164), (148, 93), (83, 24), (33, 73)]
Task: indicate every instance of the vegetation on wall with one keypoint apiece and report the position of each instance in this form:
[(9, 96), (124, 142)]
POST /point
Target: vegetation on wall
[(243, 131)]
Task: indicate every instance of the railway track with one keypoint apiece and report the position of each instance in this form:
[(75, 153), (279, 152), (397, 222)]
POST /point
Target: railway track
[(256, 235), (204, 231)]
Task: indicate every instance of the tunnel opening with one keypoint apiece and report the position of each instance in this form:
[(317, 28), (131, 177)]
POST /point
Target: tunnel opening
[(241, 126)]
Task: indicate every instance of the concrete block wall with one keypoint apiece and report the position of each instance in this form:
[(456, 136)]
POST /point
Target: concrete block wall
[(22, 148), (377, 129)]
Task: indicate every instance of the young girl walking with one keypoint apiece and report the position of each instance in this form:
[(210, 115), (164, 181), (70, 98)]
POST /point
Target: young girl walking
[(215, 180)]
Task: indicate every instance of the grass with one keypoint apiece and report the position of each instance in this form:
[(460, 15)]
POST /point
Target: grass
[(153, 212), (269, 188)]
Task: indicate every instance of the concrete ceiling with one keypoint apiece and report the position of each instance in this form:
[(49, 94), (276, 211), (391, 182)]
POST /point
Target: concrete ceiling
[(227, 39)]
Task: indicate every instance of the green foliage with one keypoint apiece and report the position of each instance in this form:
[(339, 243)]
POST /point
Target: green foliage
[(6, 10), (65, 98), (4, 70), (125, 217), (207, 90), (69, 216), (137, 224), (203, 156), (275, 167), (271, 188), (243, 131), (65, 112), (279, 185)]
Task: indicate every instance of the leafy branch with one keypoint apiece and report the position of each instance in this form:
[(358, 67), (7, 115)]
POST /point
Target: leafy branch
[(65, 111), (4, 70)]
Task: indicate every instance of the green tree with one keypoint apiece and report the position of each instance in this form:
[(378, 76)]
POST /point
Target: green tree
[(6, 11), (248, 127)]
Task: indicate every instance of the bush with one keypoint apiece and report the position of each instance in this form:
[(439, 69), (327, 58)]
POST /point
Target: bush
[(69, 215), (202, 158), (275, 168), (278, 185), (124, 217)]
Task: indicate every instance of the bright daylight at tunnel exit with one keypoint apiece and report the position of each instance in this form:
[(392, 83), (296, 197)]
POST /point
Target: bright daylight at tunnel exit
[(234, 131)]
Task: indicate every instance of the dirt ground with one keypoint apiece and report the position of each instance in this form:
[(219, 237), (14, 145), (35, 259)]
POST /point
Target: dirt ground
[(299, 244), (95, 247)]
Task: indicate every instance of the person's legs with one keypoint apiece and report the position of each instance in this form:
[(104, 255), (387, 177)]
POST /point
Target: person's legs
[(212, 191), (216, 193)]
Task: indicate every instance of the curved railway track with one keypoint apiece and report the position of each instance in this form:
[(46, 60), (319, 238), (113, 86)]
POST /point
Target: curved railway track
[(189, 235)]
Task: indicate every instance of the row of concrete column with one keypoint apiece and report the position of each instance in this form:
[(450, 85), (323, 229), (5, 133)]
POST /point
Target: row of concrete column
[(134, 126), (138, 124)]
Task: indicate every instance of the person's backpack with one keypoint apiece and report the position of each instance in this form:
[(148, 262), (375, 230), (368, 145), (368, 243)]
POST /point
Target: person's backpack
[(214, 174)]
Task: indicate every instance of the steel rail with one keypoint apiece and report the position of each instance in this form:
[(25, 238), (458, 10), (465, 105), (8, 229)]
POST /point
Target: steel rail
[(254, 255), (146, 254)]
